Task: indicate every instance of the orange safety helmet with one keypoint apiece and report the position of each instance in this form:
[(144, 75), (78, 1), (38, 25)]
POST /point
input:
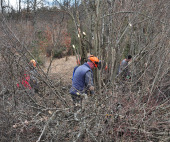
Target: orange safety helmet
[(95, 61), (33, 62)]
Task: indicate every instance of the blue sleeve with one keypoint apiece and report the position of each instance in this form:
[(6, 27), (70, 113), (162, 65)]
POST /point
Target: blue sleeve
[(74, 71), (89, 80)]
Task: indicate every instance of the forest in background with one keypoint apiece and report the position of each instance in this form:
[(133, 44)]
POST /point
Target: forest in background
[(133, 110)]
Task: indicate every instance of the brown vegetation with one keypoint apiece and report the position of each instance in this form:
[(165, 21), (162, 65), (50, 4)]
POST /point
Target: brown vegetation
[(120, 110)]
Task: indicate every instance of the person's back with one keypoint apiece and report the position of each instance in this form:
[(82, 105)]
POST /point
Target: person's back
[(123, 69), (78, 81), (123, 66)]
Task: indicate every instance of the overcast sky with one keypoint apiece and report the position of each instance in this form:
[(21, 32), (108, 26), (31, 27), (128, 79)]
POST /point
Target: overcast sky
[(14, 3)]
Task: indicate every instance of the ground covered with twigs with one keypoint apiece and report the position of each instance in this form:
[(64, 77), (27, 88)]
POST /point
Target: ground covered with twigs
[(116, 112)]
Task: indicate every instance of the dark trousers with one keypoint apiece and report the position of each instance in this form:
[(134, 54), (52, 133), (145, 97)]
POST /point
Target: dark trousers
[(34, 85), (77, 101)]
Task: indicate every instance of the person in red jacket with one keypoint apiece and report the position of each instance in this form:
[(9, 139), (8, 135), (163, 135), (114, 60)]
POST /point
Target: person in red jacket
[(29, 79), (25, 79)]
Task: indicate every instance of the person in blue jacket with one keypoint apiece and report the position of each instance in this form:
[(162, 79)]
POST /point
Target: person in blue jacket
[(82, 80)]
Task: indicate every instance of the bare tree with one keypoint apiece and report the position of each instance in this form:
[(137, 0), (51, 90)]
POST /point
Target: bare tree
[(2, 6), (135, 109)]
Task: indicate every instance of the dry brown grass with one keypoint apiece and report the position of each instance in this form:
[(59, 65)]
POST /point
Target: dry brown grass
[(61, 68)]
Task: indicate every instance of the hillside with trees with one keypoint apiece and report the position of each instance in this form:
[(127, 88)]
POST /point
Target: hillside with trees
[(58, 34)]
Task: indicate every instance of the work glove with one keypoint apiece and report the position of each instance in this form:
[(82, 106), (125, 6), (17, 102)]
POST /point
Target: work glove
[(91, 89), (84, 96)]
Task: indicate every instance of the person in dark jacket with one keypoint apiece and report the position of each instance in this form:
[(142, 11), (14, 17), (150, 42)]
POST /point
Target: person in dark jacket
[(82, 81), (123, 69)]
